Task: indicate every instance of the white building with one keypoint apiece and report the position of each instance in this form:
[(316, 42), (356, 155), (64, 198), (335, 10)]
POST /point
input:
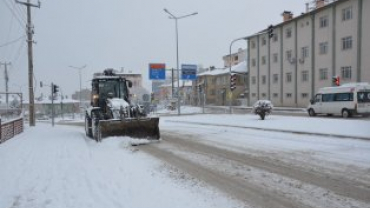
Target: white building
[(305, 52)]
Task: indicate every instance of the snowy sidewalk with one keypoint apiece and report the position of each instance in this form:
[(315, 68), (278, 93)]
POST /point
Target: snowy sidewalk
[(60, 167), (335, 127)]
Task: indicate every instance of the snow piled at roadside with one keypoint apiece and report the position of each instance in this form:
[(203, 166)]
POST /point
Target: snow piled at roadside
[(335, 126)]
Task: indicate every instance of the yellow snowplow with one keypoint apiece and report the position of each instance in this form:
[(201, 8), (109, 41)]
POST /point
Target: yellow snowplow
[(111, 112)]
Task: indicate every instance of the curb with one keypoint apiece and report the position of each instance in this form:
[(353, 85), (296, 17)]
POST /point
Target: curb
[(278, 130)]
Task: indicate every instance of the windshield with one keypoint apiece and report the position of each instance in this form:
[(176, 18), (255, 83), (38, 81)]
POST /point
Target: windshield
[(112, 89), (363, 97)]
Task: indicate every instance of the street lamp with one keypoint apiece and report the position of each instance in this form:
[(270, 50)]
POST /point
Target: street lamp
[(177, 52), (231, 92), (79, 72)]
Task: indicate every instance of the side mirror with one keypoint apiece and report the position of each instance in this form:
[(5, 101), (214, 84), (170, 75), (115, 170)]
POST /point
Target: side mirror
[(312, 101), (129, 83)]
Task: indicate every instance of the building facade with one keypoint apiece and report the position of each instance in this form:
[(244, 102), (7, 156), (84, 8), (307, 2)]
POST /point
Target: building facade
[(235, 58), (307, 51)]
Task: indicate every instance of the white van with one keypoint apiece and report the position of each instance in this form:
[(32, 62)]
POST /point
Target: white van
[(346, 100)]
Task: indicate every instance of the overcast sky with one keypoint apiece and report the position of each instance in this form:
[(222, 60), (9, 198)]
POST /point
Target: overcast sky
[(126, 33)]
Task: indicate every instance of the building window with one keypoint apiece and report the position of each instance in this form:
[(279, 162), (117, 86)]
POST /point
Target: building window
[(289, 95), (264, 41), (275, 78), (304, 95), (253, 62), (324, 22), (275, 38), (253, 80), (263, 60), (253, 94), (347, 14), (346, 72), (289, 77), (214, 80), (323, 74), (304, 51), (275, 95), (264, 79), (263, 95), (323, 48), (213, 92), (288, 32), (275, 57), (304, 76), (236, 58), (289, 55), (346, 43), (253, 44)]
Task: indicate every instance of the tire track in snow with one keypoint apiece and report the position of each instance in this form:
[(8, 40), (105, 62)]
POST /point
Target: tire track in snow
[(341, 186), (244, 191)]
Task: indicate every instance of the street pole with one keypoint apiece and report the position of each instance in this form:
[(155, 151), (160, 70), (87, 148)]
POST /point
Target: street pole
[(79, 73), (52, 104), (230, 63), (6, 81), (177, 54), (172, 90), (30, 32)]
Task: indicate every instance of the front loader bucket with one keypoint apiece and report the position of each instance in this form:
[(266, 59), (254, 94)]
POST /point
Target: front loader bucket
[(137, 128)]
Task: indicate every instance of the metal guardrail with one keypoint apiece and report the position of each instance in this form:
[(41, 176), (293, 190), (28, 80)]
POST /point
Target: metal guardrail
[(10, 128)]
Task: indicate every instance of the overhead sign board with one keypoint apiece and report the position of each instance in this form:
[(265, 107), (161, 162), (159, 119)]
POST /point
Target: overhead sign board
[(189, 72), (157, 71)]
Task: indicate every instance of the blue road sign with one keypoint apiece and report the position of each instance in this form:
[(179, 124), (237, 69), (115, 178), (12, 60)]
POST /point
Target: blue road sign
[(189, 71), (157, 71)]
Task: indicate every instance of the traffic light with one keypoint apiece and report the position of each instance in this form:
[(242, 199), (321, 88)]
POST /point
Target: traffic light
[(270, 31), (336, 80), (232, 82), (55, 88)]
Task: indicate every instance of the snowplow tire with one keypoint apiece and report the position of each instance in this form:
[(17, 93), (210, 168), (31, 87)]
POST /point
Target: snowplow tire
[(96, 134), (88, 127)]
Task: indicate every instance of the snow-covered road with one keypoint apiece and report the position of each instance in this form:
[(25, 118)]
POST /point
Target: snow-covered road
[(60, 167), (202, 161)]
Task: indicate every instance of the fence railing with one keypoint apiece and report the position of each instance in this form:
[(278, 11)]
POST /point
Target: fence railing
[(10, 128)]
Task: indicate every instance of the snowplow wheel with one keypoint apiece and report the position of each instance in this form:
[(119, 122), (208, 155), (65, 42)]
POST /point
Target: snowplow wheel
[(88, 126), (262, 115), (95, 127)]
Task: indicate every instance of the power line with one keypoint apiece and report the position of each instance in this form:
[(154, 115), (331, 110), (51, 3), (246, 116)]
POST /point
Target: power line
[(11, 42), (19, 11), (15, 60), (14, 14)]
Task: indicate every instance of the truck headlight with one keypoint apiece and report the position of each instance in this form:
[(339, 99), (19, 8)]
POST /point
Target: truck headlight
[(96, 96)]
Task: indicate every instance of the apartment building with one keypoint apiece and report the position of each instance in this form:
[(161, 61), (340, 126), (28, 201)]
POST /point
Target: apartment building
[(235, 58), (306, 51)]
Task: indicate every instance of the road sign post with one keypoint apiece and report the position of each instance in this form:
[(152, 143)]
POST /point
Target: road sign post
[(157, 71), (189, 72)]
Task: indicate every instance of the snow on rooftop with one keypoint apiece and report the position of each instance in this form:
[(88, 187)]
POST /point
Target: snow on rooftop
[(187, 83), (239, 68)]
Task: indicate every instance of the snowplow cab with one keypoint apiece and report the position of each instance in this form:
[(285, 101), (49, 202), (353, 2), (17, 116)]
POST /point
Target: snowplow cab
[(107, 86), (111, 112)]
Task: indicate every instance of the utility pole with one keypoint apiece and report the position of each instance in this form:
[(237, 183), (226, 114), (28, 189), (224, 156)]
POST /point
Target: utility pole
[(30, 59), (6, 80)]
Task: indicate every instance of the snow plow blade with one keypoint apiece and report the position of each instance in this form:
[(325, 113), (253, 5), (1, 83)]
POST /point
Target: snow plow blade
[(146, 128)]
